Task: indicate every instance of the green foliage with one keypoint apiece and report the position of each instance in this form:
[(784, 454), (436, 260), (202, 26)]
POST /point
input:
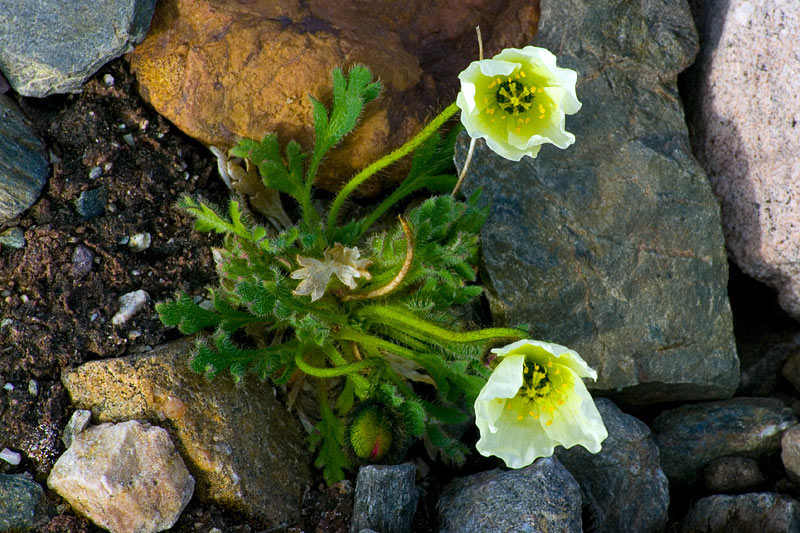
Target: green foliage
[(398, 299)]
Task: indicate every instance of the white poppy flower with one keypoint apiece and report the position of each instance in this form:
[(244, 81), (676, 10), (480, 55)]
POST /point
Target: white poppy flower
[(534, 401), (517, 101)]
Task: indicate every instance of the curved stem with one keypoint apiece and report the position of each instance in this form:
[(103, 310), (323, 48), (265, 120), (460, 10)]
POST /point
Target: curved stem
[(401, 275), (425, 330), (385, 161), (334, 372), (339, 361), (467, 161)]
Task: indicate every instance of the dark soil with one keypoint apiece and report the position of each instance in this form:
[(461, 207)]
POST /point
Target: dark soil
[(57, 303)]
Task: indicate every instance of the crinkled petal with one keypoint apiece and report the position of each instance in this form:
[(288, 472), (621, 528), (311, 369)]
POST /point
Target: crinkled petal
[(519, 443), (577, 421)]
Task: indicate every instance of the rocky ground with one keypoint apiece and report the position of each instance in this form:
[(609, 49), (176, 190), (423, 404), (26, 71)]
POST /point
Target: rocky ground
[(622, 256)]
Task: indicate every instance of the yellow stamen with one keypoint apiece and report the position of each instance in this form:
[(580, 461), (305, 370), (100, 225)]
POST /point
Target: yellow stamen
[(549, 422), (549, 364), (541, 108), (540, 89), (517, 129), (520, 417), (508, 406), (558, 371), (522, 73)]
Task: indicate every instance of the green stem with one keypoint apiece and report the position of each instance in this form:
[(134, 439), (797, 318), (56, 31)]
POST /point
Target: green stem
[(334, 372), (385, 161), (424, 330), (339, 361)]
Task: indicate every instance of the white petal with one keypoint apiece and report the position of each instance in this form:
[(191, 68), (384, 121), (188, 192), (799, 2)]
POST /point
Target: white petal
[(578, 420), (504, 383), (518, 443), (566, 356)]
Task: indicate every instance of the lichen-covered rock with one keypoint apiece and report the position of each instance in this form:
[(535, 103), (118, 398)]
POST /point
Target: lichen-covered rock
[(623, 484), (244, 448), (23, 166), (613, 246), (223, 69), (540, 497), (743, 110), (50, 46), (691, 436), (19, 499), (126, 477)]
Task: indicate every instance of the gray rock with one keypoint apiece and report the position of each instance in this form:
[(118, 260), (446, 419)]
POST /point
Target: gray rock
[(23, 162), (127, 478), (49, 46), (246, 451), (731, 474), (790, 453), (762, 511), (541, 497), (19, 500), (692, 436), (613, 246), (385, 499), (761, 368), (623, 484), (13, 238), (92, 203)]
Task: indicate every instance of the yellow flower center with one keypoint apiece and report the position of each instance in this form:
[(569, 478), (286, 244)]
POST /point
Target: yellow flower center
[(542, 391), (515, 96)]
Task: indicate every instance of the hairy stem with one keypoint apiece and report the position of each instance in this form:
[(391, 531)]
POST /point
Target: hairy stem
[(385, 161), (424, 330), (337, 371)]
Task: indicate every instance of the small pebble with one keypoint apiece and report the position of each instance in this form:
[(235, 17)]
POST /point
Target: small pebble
[(139, 242), (53, 157), (125, 239), (77, 423), (108, 166), (24, 298), (130, 304), (33, 387), (92, 203), (128, 138), (82, 260), (13, 238), (95, 173), (9, 387), (10, 457), (144, 124), (108, 80), (134, 334)]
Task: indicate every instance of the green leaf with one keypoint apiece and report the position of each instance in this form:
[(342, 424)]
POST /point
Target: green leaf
[(187, 315), (328, 437)]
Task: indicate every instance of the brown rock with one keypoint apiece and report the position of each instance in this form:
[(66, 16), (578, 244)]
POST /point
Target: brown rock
[(224, 69), (244, 448)]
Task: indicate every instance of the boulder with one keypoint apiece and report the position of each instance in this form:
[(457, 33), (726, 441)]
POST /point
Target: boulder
[(613, 246)]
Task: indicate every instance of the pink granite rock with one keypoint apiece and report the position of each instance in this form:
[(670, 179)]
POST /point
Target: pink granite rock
[(743, 106)]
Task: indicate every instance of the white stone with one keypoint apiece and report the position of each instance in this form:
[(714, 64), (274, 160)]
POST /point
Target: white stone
[(130, 304), (11, 457), (744, 109), (139, 242), (125, 477)]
